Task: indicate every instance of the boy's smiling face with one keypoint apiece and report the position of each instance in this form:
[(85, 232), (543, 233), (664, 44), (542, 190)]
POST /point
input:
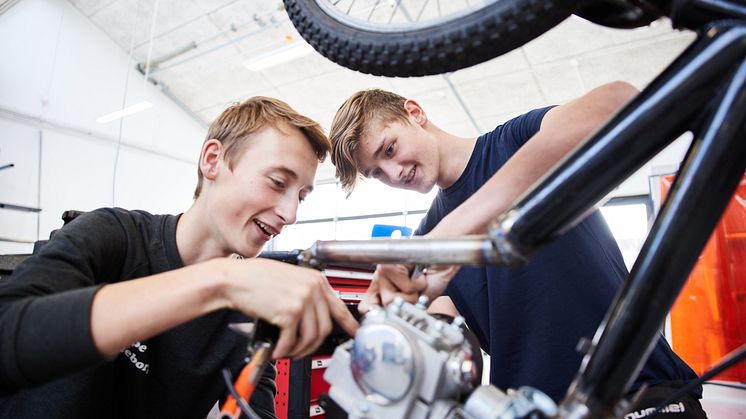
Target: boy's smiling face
[(399, 154), (253, 202)]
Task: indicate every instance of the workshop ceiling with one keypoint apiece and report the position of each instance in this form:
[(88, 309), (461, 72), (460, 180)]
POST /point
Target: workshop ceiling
[(200, 48)]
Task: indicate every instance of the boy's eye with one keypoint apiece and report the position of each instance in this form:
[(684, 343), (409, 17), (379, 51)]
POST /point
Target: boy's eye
[(389, 150), (278, 183), (375, 174)]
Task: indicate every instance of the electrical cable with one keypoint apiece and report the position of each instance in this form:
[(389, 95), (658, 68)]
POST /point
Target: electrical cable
[(126, 86), (45, 103), (124, 104), (736, 386), (727, 361), (249, 378), (150, 45), (245, 408)]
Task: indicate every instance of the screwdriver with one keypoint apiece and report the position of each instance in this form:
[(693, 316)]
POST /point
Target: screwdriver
[(262, 340)]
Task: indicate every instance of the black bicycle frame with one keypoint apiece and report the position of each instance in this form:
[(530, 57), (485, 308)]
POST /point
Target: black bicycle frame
[(703, 91)]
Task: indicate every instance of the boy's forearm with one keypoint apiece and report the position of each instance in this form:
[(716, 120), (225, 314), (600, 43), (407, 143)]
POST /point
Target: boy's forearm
[(45, 337), (562, 129), (131, 311)]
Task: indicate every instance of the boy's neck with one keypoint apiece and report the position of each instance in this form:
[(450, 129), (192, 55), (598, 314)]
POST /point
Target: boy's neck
[(454, 153), (193, 238)]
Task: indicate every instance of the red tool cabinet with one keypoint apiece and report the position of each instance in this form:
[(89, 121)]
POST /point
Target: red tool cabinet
[(301, 382)]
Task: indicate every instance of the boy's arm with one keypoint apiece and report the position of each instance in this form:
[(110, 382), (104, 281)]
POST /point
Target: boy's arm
[(562, 129), (443, 305), (297, 300), (55, 318)]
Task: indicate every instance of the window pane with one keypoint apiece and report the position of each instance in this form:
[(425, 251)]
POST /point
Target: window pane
[(321, 203), (302, 236), (372, 197), (629, 225), (413, 221), (419, 201), (361, 229)]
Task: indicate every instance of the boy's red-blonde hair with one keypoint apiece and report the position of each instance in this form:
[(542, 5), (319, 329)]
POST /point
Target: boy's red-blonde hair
[(235, 126)]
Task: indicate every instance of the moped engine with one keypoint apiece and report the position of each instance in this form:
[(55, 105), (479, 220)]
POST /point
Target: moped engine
[(406, 363)]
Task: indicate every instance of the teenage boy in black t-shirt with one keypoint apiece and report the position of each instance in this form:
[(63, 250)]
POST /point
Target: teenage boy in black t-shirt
[(124, 313)]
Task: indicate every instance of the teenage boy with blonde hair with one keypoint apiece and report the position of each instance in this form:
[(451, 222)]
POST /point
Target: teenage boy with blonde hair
[(124, 313), (529, 319)]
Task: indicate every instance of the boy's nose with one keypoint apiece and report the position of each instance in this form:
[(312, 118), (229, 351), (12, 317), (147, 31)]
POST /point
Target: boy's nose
[(287, 210), (393, 171)]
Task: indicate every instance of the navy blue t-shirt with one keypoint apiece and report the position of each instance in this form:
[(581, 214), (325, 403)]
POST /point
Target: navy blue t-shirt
[(530, 319)]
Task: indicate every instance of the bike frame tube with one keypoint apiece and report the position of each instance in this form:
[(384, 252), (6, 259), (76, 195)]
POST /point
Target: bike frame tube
[(712, 170), (460, 250), (651, 121), (619, 148)]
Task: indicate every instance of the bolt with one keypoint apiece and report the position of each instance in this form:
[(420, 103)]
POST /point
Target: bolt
[(439, 325), (458, 322), (422, 302)]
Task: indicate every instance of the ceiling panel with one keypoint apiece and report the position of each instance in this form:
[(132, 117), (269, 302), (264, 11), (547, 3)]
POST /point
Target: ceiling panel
[(125, 20), (90, 7), (556, 67), (201, 31)]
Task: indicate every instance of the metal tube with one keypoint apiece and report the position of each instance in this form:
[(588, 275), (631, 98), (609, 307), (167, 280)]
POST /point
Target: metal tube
[(462, 250)]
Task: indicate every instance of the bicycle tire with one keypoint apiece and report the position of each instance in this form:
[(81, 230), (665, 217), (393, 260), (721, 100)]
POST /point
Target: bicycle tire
[(462, 42)]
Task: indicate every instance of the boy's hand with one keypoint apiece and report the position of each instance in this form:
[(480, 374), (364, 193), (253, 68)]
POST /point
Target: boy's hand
[(299, 301), (391, 281)]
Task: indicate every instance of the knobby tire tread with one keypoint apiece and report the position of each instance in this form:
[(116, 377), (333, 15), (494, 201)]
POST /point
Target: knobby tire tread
[(460, 43)]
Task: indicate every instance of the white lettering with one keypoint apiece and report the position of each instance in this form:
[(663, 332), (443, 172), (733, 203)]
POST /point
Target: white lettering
[(650, 411), (132, 357)]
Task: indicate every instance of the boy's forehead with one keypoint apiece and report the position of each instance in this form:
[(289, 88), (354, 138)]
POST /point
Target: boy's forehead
[(364, 153), (285, 148), (367, 144), (376, 124)]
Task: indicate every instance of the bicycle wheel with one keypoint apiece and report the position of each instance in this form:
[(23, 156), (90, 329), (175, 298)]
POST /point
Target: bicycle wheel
[(404, 46)]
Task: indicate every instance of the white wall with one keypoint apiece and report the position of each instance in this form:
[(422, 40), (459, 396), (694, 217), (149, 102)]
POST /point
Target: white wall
[(58, 73)]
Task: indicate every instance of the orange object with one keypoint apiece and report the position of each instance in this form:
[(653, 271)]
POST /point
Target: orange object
[(708, 319), (246, 382)]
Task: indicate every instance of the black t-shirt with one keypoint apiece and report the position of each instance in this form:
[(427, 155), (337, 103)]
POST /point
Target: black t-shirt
[(49, 366), (530, 318)]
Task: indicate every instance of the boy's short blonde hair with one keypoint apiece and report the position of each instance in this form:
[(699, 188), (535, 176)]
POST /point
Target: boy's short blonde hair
[(233, 128), (350, 123)]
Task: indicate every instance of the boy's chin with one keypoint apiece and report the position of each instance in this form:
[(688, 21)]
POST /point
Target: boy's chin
[(248, 251)]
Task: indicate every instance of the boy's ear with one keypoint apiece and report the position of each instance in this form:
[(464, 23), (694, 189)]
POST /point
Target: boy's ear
[(209, 160), (416, 112)]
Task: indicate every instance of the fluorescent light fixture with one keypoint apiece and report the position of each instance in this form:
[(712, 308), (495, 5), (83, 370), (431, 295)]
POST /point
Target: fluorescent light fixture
[(129, 110), (282, 55)]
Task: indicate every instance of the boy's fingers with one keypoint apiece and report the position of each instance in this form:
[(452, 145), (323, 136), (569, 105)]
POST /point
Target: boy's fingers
[(308, 332), (407, 285), (324, 321), (387, 292), (371, 297), (285, 343), (399, 277), (410, 298), (342, 315)]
